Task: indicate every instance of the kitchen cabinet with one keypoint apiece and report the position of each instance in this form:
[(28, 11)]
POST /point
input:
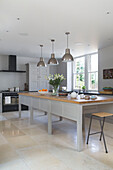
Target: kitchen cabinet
[(36, 77), (0, 102), (42, 73)]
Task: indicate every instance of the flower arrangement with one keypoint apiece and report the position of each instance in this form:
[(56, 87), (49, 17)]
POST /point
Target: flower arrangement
[(55, 80)]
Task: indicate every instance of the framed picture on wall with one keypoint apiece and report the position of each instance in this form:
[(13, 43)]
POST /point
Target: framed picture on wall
[(108, 74)]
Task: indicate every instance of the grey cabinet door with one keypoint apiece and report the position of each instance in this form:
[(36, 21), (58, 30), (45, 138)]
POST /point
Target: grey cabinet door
[(36, 77), (32, 76), (42, 73)]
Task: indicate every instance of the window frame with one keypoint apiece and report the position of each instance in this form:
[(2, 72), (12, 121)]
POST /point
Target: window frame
[(86, 72), (75, 73)]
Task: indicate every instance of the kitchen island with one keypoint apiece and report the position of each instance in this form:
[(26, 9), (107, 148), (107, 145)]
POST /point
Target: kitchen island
[(72, 109)]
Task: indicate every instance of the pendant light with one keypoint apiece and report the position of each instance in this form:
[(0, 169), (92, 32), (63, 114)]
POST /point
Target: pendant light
[(41, 63), (67, 56), (53, 60)]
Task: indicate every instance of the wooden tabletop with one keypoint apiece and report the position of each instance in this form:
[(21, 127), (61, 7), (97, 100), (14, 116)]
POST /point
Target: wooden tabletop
[(67, 99)]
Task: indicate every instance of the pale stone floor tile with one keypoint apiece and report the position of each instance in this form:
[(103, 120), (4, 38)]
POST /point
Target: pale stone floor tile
[(24, 123), (9, 130), (2, 140), (38, 158), (34, 149), (14, 165), (76, 160), (11, 115), (7, 154), (21, 142), (2, 117), (34, 131)]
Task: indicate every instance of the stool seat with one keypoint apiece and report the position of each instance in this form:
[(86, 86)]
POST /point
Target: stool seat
[(102, 114)]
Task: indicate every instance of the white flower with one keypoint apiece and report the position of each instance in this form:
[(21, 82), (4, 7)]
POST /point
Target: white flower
[(56, 76)]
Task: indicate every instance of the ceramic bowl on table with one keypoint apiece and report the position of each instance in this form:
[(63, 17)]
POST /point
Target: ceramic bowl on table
[(87, 97), (42, 92), (74, 95), (82, 96), (93, 97), (63, 94)]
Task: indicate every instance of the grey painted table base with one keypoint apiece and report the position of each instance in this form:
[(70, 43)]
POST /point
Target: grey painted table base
[(70, 111)]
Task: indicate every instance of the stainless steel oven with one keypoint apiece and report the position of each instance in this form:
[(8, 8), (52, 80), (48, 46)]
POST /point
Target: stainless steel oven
[(10, 102)]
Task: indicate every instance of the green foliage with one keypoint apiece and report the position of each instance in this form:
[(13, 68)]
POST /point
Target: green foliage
[(107, 87), (93, 81), (81, 77), (83, 87)]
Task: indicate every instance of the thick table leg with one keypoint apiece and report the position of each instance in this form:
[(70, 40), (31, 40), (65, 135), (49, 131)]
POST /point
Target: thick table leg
[(49, 123), (60, 118), (19, 110), (45, 113), (83, 122), (79, 132), (31, 115)]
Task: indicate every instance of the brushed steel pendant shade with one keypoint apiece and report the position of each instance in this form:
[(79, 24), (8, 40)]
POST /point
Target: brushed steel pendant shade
[(67, 56), (41, 63), (53, 60)]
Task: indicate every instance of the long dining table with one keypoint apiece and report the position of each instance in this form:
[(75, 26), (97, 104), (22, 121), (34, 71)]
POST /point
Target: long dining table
[(66, 107)]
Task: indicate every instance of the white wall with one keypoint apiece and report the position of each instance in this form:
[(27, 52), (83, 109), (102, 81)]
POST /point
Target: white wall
[(8, 80), (62, 69), (105, 57)]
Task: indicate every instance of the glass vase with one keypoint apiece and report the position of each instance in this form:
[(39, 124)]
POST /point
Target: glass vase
[(55, 90)]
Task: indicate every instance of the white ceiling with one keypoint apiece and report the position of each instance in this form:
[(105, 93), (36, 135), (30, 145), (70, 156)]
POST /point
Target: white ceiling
[(42, 20)]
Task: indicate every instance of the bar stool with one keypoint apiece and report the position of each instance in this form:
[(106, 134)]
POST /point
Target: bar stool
[(102, 116)]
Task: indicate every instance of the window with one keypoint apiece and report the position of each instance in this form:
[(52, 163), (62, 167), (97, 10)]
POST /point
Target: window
[(93, 72), (79, 72), (85, 72)]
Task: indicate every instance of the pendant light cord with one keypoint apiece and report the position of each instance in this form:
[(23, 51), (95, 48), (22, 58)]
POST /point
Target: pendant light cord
[(67, 40), (41, 49), (67, 33), (52, 45)]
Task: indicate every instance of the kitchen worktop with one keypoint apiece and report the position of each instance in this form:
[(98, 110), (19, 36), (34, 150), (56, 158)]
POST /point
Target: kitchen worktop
[(85, 93), (67, 99), (7, 91), (91, 93), (88, 92)]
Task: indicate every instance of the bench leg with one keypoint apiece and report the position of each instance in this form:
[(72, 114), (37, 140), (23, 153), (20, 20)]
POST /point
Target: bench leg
[(102, 127), (102, 134)]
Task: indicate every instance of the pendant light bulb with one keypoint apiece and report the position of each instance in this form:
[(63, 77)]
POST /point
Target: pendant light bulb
[(41, 63), (67, 56), (53, 60)]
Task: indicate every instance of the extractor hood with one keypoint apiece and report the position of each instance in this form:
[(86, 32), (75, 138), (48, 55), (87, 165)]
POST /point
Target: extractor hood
[(12, 65)]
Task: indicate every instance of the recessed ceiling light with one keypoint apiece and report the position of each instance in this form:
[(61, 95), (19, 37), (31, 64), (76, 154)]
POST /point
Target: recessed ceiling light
[(18, 18), (107, 12), (23, 34), (7, 31)]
